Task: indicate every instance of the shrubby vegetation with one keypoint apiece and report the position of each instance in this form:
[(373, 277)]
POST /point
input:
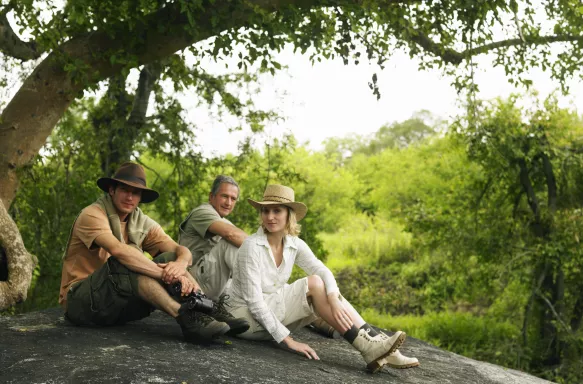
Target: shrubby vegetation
[(466, 236)]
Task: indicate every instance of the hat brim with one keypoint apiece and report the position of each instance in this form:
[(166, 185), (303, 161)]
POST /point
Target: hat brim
[(299, 208), (148, 195)]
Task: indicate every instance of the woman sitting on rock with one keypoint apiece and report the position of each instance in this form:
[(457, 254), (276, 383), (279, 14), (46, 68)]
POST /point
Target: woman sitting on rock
[(260, 292)]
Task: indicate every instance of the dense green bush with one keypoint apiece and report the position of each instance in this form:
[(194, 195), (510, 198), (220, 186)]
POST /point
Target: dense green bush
[(481, 338)]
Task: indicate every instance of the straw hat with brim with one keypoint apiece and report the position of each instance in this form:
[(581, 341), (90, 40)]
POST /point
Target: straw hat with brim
[(131, 174), (280, 195)]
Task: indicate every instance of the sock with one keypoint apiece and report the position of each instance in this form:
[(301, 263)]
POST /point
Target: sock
[(371, 331), (351, 334)]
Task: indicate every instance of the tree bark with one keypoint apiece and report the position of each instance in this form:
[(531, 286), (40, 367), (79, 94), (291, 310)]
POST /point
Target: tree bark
[(20, 263), (11, 44), (148, 77)]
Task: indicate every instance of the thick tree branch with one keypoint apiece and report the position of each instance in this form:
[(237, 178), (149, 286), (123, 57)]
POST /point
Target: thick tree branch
[(528, 40), (447, 54), (148, 77), (456, 57), (11, 45)]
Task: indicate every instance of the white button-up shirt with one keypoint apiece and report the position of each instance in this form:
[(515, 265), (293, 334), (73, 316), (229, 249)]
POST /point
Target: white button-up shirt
[(258, 283)]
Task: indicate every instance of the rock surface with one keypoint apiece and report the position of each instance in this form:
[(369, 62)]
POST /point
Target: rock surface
[(40, 347)]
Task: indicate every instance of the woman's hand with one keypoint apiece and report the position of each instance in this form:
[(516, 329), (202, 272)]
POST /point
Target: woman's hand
[(301, 348), (340, 313)]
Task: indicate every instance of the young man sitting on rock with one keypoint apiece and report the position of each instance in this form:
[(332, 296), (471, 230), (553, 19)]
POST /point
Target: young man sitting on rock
[(108, 280)]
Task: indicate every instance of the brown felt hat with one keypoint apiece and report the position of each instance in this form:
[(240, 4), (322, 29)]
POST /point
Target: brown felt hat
[(281, 195), (131, 174)]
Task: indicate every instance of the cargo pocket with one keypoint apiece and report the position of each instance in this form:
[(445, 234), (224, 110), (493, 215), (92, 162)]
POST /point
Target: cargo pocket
[(79, 303), (109, 294), (204, 268)]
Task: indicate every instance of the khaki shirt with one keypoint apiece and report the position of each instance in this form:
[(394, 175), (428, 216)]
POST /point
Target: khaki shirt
[(84, 257), (194, 233)]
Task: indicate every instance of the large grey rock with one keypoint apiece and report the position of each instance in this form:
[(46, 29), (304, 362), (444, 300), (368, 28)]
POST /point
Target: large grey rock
[(40, 347)]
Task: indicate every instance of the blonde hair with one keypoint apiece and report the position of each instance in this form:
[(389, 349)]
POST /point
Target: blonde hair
[(291, 226)]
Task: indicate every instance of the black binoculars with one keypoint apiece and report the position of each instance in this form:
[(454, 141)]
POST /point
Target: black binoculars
[(196, 301)]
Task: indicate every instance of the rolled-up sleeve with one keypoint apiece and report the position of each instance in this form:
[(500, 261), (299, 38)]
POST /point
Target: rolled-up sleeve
[(307, 261), (249, 270)]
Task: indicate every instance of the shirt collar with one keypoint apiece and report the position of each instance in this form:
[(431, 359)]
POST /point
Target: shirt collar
[(288, 241)]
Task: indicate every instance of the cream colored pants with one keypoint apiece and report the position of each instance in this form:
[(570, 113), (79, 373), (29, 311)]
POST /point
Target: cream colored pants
[(213, 270), (298, 311)]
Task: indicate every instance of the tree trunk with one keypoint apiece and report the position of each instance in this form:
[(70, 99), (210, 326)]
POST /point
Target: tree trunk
[(19, 262), (119, 127)]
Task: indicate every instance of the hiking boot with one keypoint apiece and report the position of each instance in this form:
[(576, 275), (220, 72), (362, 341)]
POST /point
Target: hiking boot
[(375, 349), (220, 313), (399, 361), (322, 327), (199, 327)]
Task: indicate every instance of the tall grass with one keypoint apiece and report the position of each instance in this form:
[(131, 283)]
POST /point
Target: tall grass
[(362, 240), (481, 338)]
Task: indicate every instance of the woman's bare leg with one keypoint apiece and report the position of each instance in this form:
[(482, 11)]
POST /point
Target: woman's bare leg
[(317, 293), (375, 351)]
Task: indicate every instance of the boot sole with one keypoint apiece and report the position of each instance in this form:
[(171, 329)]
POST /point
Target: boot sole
[(237, 327), (375, 366), (402, 366), (208, 336)]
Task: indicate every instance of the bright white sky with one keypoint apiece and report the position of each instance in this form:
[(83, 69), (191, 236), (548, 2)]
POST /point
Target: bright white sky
[(330, 99)]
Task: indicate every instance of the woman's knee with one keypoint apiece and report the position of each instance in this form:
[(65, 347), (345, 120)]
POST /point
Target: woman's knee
[(315, 283)]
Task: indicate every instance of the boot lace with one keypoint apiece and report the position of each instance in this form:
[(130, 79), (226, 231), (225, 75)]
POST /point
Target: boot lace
[(219, 308), (374, 339), (200, 318)]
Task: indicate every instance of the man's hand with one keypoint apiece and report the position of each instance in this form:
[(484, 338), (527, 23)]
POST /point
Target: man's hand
[(172, 271), (188, 285), (302, 348)]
